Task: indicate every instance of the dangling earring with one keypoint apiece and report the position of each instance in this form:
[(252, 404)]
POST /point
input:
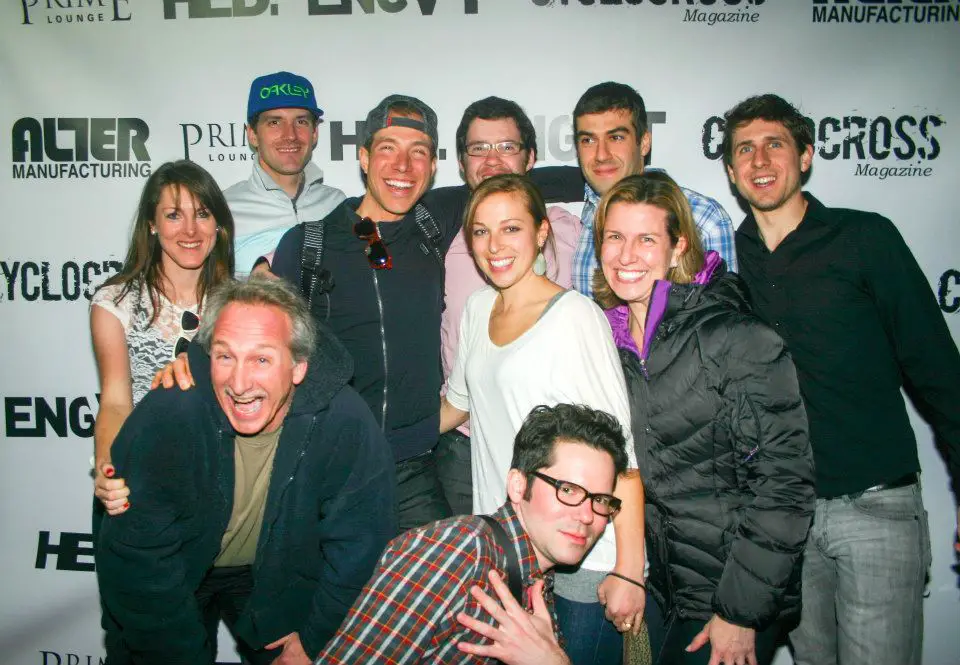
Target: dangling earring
[(153, 232), (540, 263)]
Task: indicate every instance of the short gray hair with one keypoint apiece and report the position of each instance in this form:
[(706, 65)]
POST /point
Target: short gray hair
[(259, 290)]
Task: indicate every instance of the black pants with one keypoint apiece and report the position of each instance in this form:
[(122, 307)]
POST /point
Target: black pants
[(420, 497), (453, 468), (669, 639), (223, 593)]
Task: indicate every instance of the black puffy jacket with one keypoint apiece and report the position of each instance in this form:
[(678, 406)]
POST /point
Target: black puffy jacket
[(723, 449)]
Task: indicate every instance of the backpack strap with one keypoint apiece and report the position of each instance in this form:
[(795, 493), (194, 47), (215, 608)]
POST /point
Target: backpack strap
[(429, 228), (313, 277), (514, 578)]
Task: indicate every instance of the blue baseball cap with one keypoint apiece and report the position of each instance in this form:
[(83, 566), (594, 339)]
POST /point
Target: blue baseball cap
[(281, 90)]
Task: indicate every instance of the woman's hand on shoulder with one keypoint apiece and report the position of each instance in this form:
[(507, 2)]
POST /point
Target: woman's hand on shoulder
[(177, 372)]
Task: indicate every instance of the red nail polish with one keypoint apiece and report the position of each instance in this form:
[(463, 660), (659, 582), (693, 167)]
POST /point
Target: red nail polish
[(109, 471), (126, 505)]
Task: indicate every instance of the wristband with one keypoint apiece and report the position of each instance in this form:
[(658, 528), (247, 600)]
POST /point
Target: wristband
[(627, 579)]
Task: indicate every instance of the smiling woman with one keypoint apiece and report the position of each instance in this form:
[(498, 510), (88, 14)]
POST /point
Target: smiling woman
[(181, 247), (525, 341), (716, 412)]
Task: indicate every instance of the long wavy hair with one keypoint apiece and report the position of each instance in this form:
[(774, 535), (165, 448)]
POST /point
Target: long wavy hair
[(143, 267), (659, 190)]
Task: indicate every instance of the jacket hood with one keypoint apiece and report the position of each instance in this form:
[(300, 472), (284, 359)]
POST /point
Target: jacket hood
[(329, 369), (712, 285)]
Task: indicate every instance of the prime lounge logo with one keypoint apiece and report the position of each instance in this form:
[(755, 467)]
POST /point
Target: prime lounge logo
[(706, 12), (49, 148), (174, 9), (215, 142), (30, 280), (881, 146), (73, 12), (886, 11), (341, 7)]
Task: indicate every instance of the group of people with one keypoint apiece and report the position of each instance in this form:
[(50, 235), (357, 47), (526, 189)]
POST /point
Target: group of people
[(401, 439)]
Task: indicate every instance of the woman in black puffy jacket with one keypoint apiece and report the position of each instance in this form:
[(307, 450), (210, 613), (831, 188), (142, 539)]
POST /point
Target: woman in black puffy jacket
[(719, 428)]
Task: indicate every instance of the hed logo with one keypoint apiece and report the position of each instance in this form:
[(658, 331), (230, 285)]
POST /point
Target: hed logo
[(73, 551), (206, 9)]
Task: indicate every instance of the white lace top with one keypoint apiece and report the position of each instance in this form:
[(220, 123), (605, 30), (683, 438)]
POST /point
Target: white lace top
[(150, 346)]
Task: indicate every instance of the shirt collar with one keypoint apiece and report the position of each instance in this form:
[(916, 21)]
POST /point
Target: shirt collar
[(311, 174), (529, 567)]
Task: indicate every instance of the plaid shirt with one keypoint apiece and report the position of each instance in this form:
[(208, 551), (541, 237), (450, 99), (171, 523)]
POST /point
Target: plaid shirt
[(407, 613), (713, 224)]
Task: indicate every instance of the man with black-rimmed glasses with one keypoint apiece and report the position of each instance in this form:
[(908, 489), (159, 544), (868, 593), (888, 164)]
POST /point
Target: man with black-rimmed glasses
[(426, 602)]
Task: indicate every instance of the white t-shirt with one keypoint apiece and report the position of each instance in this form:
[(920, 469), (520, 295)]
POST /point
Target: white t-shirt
[(567, 356)]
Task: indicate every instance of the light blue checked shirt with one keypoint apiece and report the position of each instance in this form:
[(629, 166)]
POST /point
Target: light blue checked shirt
[(713, 224)]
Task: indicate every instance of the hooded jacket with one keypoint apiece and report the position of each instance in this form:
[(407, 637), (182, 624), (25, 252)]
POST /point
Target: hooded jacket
[(329, 513), (723, 450)]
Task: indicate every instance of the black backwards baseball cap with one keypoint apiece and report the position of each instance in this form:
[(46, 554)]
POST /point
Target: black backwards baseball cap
[(281, 90), (380, 118)]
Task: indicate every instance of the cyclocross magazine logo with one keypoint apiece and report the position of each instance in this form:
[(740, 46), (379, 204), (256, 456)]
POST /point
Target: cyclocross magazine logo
[(706, 12), (882, 146), (73, 12), (886, 11)]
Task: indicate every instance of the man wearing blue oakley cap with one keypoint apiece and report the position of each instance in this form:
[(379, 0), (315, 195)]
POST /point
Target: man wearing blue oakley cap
[(285, 187)]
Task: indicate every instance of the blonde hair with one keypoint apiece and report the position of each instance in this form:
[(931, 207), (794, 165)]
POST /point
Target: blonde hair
[(659, 190)]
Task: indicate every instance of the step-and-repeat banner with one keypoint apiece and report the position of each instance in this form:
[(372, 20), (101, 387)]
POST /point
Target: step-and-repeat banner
[(97, 93)]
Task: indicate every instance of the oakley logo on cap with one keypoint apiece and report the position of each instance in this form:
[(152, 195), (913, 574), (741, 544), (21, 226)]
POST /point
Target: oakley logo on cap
[(284, 89)]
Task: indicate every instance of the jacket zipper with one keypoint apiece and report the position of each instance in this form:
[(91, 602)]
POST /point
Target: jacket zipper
[(383, 346)]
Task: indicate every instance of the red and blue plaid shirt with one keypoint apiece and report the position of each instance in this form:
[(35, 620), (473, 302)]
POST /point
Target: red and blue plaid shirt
[(407, 613)]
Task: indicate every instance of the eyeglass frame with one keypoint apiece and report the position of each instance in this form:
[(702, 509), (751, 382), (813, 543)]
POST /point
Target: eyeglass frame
[(378, 256), (556, 483), (498, 147), (187, 324)]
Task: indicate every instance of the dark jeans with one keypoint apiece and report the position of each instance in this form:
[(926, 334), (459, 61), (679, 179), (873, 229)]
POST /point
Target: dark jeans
[(453, 468), (669, 639), (223, 593), (420, 498), (590, 638)]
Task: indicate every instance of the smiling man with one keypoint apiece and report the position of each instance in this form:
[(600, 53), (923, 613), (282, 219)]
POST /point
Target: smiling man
[(264, 495), (861, 322), (286, 187), (613, 140), (418, 607), (378, 283)]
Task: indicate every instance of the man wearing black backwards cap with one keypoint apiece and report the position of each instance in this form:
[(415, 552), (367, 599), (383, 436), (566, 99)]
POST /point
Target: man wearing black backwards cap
[(285, 187), (381, 292)]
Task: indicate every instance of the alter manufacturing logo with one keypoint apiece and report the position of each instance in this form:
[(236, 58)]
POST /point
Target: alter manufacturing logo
[(886, 11), (705, 12), (73, 12)]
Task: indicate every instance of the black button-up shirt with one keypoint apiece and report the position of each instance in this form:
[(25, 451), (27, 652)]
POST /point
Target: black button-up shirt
[(860, 320)]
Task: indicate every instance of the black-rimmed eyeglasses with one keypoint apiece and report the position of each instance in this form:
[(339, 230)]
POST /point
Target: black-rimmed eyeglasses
[(571, 494), (505, 148), (376, 250), (188, 323)]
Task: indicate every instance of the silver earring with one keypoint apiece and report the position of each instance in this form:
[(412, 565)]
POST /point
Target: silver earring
[(540, 264)]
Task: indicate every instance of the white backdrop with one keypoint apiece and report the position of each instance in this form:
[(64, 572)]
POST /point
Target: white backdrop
[(98, 92)]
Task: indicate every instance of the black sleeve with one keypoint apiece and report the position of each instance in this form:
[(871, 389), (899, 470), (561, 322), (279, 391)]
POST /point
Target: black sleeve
[(768, 428), (141, 569), (286, 260), (446, 205), (912, 319), (558, 184)]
